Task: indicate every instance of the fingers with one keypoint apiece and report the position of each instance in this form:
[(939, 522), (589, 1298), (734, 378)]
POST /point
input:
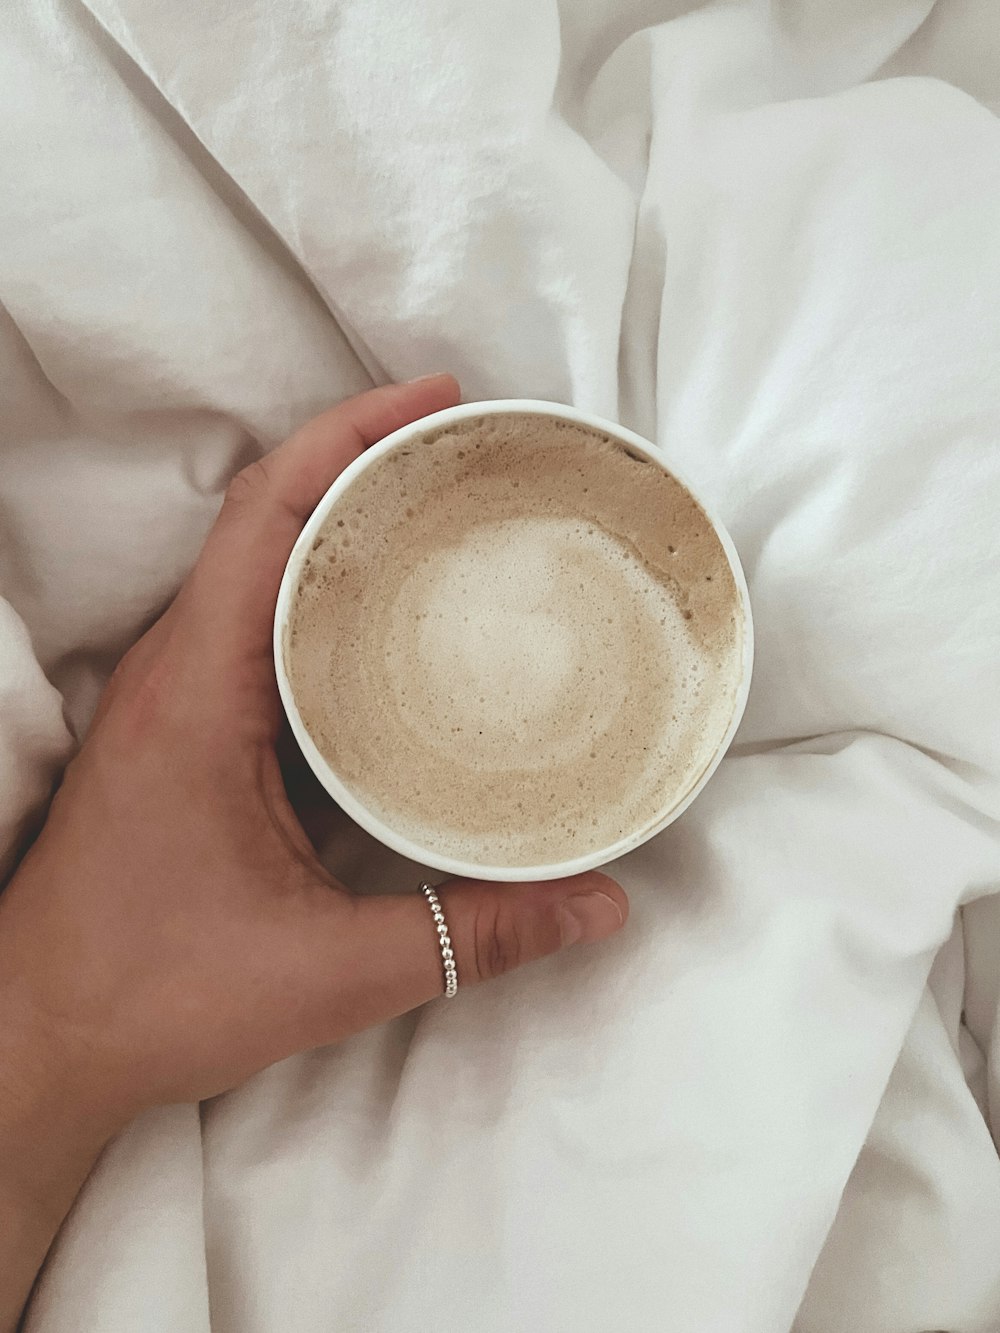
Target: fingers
[(293, 479), (239, 571), (386, 959)]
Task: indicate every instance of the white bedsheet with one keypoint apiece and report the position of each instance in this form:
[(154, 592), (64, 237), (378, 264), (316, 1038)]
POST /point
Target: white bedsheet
[(766, 235)]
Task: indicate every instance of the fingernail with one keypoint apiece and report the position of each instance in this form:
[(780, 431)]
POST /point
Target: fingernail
[(588, 916), (421, 379)]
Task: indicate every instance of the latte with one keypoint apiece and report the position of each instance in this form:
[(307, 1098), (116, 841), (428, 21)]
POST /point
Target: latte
[(515, 640)]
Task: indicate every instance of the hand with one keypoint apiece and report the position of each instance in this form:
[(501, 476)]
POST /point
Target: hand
[(172, 931)]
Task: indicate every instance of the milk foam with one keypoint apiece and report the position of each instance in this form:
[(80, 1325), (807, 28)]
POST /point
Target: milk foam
[(515, 642)]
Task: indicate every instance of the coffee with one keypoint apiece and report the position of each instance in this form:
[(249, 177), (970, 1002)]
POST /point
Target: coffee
[(515, 640)]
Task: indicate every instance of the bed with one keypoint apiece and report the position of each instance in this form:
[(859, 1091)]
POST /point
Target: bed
[(766, 237)]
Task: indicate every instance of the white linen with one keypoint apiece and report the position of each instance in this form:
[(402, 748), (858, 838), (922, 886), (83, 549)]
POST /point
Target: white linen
[(764, 236)]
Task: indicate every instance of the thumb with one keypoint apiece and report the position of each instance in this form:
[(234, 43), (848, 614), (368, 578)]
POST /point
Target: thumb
[(389, 957)]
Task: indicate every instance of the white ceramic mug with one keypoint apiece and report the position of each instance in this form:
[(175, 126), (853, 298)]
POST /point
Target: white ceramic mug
[(347, 799)]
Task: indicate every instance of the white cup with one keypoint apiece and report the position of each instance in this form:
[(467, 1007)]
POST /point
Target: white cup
[(346, 798)]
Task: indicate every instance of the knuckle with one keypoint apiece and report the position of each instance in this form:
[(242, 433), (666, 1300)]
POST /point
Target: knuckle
[(120, 682), (248, 485), (150, 701), (123, 669), (497, 944)]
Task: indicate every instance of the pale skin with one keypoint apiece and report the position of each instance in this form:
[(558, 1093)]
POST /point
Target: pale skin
[(171, 932)]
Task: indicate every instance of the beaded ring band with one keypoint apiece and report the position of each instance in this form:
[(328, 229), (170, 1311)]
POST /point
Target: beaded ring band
[(444, 940)]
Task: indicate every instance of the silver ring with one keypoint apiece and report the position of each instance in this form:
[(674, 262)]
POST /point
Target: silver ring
[(444, 941)]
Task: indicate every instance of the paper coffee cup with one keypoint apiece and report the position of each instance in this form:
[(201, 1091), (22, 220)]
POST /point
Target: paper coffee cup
[(347, 798)]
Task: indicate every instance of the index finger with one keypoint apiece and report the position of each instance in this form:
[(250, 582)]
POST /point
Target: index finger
[(237, 577)]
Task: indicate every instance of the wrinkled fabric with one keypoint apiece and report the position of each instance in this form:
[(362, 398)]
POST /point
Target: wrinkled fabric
[(762, 235)]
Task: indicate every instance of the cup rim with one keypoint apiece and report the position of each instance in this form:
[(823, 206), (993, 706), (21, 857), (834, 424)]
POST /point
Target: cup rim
[(346, 799)]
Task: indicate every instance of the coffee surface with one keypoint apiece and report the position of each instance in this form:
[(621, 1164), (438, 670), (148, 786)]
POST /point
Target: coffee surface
[(515, 641)]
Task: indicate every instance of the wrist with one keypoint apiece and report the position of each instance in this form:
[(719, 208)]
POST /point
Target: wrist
[(52, 1131), (53, 1073), (56, 1110)]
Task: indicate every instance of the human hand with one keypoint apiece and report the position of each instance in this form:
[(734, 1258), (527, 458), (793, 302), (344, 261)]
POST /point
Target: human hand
[(172, 931)]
